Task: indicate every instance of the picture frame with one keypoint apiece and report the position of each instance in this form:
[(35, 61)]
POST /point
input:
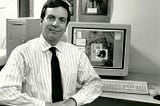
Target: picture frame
[(94, 10)]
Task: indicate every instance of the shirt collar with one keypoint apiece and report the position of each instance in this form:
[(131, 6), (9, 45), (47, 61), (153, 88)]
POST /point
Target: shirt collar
[(45, 45)]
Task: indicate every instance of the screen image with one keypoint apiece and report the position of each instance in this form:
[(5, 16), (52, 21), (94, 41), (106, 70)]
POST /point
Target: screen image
[(103, 47), (106, 45)]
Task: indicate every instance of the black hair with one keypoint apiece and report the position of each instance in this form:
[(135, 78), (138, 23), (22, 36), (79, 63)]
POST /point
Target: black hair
[(53, 4)]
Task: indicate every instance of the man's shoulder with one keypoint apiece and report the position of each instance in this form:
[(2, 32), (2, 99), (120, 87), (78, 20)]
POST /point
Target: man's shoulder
[(30, 44)]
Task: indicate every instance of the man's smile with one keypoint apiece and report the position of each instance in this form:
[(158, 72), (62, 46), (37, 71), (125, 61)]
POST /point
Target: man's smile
[(53, 30)]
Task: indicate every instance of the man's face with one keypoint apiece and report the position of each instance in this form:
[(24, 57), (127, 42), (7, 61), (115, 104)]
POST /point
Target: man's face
[(54, 24)]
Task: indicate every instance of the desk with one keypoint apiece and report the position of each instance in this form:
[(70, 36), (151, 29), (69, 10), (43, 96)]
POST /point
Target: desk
[(131, 97), (105, 101), (123, 99)]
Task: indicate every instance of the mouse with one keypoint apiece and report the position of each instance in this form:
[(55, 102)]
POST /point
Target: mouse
[(157, 97)]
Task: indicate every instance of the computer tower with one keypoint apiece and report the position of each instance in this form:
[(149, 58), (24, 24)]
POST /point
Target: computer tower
[(21, 30)]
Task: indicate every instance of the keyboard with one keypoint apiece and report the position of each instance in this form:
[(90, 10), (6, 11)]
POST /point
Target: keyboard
[(125, 86)]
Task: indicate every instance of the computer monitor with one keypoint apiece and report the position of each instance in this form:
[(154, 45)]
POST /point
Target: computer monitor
[(106, 45)]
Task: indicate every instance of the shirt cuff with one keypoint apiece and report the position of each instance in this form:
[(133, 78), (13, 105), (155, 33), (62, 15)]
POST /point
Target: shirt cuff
[(78, 100), (74, 100)]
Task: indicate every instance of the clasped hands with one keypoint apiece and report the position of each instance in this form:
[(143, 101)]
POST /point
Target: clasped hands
[(68, 102)]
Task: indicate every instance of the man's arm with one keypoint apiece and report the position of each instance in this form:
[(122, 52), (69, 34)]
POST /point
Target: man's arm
[(90, 81), (11, 79)]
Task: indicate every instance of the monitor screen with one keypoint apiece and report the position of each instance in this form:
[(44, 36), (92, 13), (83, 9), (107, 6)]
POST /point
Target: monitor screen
[(106, 45)]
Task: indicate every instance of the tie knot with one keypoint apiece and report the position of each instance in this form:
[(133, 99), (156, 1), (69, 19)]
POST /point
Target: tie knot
[(53, 49)]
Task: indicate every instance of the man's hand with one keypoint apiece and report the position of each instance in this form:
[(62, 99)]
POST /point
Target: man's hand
[(54, 104), (68, 102), (154, 90)]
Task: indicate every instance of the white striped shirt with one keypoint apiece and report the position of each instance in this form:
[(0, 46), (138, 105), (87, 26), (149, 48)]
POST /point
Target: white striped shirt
[(25, 80)]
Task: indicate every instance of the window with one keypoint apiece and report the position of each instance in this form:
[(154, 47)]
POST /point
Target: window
[(25, 8)]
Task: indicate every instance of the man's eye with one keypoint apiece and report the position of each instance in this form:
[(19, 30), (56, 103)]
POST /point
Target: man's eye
[(63, 20), (51, 18)]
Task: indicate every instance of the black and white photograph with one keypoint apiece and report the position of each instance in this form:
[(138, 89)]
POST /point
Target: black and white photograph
[(79, 53), (94, 7)]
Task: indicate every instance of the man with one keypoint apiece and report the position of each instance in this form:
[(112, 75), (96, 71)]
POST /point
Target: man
[(26, 79)]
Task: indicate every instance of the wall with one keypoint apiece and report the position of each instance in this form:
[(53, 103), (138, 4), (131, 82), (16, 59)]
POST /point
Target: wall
[(144, 17), (38, 4), (8, 10), (2, 28)]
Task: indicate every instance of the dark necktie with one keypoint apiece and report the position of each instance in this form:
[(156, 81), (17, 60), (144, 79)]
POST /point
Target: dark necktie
[(57, 92)]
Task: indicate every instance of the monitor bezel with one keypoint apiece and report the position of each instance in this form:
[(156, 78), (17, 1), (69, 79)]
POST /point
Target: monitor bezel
[(126, 27)]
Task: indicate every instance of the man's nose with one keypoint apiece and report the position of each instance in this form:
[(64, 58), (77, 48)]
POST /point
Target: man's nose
[(55, 22)]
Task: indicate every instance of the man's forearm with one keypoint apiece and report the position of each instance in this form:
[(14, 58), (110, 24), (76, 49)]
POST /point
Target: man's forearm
[(10, 96)]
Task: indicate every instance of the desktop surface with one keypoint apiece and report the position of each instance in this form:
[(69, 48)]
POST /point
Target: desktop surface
[(131, 97), (127, 99), (105, 101)]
